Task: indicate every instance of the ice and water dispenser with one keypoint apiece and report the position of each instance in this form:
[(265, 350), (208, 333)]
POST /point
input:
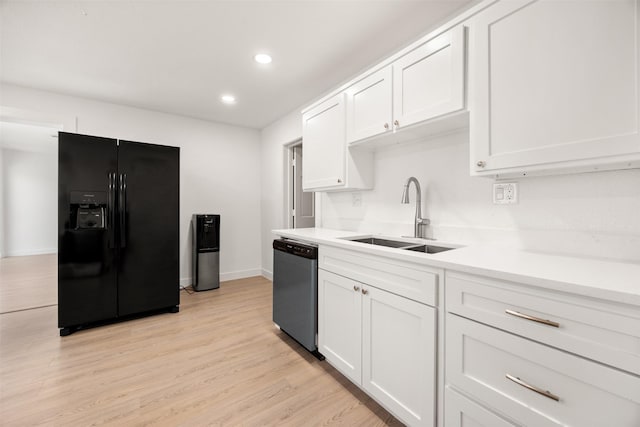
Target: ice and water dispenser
[(83, 244), (206, 252)]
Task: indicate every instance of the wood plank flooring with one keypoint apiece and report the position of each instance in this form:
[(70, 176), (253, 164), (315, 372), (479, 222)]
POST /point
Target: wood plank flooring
[(28, 282), (219, 361)]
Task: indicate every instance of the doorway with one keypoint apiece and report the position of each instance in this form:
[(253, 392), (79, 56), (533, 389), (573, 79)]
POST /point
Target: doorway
[(301, 204), (28, 215)]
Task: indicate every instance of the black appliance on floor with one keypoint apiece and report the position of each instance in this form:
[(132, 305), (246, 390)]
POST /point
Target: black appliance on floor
[(295, 292), (118, 230), (206, 252)]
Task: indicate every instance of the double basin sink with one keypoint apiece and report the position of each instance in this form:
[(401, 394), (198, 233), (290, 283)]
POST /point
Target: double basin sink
[(410, 246)]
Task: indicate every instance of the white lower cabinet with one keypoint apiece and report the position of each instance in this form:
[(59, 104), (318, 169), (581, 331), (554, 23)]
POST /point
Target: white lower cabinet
[(463, 412), (340, 323), (398, 358), (383, 342), (535, 384)]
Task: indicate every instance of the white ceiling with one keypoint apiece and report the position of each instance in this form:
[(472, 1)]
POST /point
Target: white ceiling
[(180, 56)]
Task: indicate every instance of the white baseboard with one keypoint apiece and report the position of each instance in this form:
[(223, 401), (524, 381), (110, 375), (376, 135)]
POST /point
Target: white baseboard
[(31, 252), (267, 274), (239, 274), (232, 275)]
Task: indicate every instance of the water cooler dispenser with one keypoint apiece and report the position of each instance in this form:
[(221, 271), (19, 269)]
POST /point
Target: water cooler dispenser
[(206, 252)]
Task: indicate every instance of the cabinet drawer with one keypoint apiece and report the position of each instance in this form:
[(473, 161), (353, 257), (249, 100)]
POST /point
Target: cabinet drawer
[(606, 332), (462, 412), (571, 390), (406, 279)]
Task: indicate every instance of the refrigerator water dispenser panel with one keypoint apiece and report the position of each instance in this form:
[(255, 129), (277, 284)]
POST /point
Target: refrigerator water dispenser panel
[(87, 209), (90, 217)]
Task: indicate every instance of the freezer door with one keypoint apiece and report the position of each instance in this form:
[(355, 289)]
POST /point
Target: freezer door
[(87, 288), (149, 203)]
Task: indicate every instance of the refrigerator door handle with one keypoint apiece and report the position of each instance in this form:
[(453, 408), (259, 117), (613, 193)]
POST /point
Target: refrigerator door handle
[(123, 210), (111, 210)]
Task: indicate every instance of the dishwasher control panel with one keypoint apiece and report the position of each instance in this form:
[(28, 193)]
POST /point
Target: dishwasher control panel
[(296, 248)]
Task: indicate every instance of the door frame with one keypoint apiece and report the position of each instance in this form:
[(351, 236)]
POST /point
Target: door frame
[(61, 122), (288, 197)]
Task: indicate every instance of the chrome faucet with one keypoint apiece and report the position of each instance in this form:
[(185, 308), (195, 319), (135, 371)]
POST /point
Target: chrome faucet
[(420, 223)]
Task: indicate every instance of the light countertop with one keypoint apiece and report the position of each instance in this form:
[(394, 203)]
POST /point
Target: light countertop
[(602, 279)]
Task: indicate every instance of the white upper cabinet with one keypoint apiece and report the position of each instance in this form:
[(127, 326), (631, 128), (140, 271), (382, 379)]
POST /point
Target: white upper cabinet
[(554, 86), (327, 163), (429, 81), (323, 144), (369, 107), (426, 83)]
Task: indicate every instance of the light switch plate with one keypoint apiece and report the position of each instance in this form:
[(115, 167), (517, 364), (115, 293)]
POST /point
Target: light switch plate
[(505, 193)]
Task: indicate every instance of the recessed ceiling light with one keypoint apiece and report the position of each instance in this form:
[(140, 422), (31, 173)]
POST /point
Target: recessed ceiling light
[(228, 99), (262, 58)]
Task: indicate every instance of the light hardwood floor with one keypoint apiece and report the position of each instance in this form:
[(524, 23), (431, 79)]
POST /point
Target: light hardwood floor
[(28, 282), (219, 361)]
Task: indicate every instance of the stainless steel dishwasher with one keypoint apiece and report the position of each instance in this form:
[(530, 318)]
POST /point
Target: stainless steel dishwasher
[(295, 292)]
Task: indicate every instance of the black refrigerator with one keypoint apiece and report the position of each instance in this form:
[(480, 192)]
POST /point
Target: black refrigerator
[(118, 230)]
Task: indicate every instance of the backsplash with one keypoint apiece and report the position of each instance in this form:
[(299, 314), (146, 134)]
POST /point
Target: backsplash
[(590, 214)]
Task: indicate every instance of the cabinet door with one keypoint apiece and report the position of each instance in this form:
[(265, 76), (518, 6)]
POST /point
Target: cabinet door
[(462, 412), (369, 106), (398, 355), (429, 81), (340, 323), (553, 84), (323, 131)]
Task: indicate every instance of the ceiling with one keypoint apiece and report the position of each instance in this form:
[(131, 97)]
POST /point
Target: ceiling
[(179, 57)]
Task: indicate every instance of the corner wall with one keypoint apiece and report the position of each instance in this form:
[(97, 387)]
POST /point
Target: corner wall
[(274, 138)]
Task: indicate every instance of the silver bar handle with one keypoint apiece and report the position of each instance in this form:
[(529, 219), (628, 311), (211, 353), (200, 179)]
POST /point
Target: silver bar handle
[(545, 393), (533, 318)]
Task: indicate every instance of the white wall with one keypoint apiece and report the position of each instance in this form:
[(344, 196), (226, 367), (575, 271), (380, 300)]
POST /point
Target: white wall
[(29, 193), (220, 168), (273, 140), (592, 214)]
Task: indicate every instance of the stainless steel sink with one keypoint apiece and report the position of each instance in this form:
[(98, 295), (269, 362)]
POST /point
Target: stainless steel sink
[(399, 244), (383, 242), (428, 249)]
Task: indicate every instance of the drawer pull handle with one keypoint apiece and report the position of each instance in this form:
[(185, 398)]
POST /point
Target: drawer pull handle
[(356, 288), (533, 319), (545, 393)]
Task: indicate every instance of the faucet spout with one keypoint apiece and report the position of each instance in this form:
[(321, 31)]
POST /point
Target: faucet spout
[(419, 221)]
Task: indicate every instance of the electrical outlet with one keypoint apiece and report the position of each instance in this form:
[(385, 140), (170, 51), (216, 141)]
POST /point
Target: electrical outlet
[(505, 193), (356, 199)]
